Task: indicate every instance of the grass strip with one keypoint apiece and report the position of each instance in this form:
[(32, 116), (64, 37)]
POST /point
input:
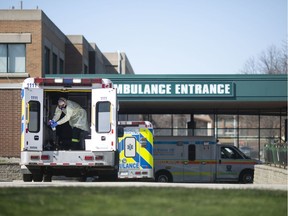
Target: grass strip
[(140, 201)]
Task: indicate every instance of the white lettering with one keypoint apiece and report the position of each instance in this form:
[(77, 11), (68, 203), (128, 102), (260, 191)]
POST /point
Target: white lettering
[(227, 88), (146, 89), (162, 89), (191, 88), (133, 89), (183, 89), (168, 89), (126, 89), (198, 89), (213, 89), (154, 89), (205, 89), (220, 89), (177, 88)]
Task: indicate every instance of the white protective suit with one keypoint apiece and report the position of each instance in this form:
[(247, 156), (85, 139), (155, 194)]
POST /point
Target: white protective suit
[(74, 113)]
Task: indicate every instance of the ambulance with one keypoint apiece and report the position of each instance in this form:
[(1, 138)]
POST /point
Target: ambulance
[(136, 151), (45, 152), (200, 159)]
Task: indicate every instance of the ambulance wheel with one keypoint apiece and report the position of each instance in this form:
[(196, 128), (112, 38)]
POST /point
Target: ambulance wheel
[(47, 178), (246, 177), (38, 177), (163, 176), (27, 177)]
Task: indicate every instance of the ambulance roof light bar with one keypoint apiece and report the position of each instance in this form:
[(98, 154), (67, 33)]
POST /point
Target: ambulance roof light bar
[(73, 82)]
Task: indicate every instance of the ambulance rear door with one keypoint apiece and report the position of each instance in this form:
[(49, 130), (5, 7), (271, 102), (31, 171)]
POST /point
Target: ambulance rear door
[(103, 120), (200, 162), (128, 147), (32, 116)]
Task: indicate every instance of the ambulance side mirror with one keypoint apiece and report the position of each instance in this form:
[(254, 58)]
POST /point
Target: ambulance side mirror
[(120, 131)]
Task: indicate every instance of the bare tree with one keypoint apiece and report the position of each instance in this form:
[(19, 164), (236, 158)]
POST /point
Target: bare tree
[(271, 61)]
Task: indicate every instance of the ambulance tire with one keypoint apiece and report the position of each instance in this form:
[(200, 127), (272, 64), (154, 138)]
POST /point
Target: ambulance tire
[(38, 177), (246, 177), (163, 176), (47, 178), (27, 177)]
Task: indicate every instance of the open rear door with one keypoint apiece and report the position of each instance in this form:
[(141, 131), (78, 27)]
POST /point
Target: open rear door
[(32, 117), (103, 120)]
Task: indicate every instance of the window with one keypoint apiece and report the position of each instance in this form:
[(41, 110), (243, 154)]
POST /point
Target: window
[(103, 115), (191, 153), (34, 116), (130, 147), (47, 60), (55, 67), (230, 153), (12, 58), (61, 66)]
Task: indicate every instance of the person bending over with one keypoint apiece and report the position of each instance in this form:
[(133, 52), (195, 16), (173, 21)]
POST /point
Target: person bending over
[(76, 116)]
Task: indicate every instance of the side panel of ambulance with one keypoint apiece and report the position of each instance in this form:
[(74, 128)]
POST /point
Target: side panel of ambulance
[(200, 159), (184, 159)]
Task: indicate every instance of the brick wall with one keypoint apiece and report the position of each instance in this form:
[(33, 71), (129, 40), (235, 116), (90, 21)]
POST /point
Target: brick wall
[(33, 50), (10, 126)]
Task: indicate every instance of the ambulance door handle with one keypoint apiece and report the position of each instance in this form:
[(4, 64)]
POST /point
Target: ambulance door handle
[(36, 137), (185, 162), (203, 162)]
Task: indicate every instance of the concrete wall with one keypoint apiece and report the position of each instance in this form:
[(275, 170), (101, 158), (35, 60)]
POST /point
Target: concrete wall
[(265, 174), (10, 172)]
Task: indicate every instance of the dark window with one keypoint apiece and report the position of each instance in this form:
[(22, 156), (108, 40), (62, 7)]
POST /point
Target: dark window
[(55, 63), (230, 153), (61, 66), (34, 116), (47, 60), (191, 152), (85, 69), (103, 115)]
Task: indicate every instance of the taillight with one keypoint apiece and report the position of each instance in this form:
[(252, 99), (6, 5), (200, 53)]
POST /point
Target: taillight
[(89, 158), (99, 157), (45, 157), (34, 157)]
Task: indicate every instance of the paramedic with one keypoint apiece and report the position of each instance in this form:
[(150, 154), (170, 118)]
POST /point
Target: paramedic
[(76, 116)]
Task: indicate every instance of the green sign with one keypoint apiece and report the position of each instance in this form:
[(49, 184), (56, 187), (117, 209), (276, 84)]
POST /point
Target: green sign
[(183, 89)]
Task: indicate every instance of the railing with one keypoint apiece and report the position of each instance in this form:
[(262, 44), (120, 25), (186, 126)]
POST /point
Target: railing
[(276, 154)]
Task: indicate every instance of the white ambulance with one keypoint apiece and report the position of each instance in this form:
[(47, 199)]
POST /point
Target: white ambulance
[(136, 150), (45, 152), (200, 159)]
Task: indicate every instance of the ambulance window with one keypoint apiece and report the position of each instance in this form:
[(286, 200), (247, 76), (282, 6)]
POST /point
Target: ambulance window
[(34, 116), (191, 152), (103, 115), (130, 147), (229, 153)]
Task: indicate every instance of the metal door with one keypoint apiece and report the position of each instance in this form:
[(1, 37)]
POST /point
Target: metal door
[(229, 163), (32, 118)]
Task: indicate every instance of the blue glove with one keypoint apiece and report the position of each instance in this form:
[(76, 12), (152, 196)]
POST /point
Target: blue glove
[(54, 124), (51, 122)]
